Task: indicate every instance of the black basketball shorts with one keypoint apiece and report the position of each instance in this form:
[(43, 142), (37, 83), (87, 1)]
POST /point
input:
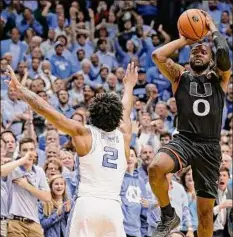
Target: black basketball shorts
[(204, 158)]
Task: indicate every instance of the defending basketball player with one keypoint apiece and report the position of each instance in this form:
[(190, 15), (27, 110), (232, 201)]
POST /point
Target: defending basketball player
[(200, 99), (102, 148)]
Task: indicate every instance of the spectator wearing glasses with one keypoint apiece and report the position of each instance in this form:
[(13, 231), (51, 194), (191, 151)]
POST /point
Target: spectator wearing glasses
[(53, 167)]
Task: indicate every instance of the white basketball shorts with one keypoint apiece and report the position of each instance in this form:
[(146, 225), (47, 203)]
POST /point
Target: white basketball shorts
[(96, 217)]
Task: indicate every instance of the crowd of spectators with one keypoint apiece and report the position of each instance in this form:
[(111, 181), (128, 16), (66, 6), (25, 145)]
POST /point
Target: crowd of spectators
[(69, 51)]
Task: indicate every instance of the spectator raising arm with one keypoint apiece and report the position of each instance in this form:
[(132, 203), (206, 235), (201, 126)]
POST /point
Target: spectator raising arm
[(7, 168), (40, 106), (46, 9), (165, 35)]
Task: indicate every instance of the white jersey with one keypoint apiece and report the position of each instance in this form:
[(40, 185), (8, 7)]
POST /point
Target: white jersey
[(102, 169)]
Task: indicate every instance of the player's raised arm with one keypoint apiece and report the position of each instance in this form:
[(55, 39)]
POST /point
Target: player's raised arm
[(130, 80), (223, 62), (165, 64), (41, 107)]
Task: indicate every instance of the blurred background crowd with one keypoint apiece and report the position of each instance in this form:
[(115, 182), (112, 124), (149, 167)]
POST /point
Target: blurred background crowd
[(69, 51)]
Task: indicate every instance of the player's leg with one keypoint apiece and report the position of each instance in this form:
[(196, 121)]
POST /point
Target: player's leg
[(205, 216), (158, 169), (112, 223), (166, 161), (205, 167), (80, 222)]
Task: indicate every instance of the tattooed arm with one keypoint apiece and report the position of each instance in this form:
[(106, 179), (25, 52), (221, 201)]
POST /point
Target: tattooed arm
[(165, 64), (41, 107)]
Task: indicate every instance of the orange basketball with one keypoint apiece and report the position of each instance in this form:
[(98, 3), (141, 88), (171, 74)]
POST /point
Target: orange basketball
[(192, 24)]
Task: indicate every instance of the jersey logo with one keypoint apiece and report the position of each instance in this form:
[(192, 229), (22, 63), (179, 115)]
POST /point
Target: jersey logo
[(133, 194), (205, 104), (195, 19), (193, 90)]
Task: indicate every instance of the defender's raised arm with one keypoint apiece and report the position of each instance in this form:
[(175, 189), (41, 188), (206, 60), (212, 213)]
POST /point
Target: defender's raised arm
[(40, 106)]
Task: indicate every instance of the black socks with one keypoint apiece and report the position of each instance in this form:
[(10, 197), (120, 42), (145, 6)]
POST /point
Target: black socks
[(167, 210)]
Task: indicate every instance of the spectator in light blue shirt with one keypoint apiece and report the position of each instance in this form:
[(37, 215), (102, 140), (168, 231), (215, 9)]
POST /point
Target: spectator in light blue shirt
[(80, 55), (29, 22), (14, 112), (134, 200), (54, 215), (179, 201), (225, 23), (102, 78), (149, 45), (95, 66), (214, 12), (52, 18), (3, 77), (105, 57), (34, 72), (146, 154), (125, 57), (15, 47), (84, 43), (162, 83), (63, 106), (186, 180), (61, 67), (184, 54)]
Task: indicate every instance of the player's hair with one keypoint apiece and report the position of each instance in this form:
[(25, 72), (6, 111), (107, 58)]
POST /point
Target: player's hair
[(106, 111), (206, 45)]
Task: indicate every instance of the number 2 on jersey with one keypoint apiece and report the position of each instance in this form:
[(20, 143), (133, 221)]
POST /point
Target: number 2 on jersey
[(109, 157)]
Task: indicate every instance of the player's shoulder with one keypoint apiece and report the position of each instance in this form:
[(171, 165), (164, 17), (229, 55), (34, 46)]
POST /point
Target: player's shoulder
[(185, 73)]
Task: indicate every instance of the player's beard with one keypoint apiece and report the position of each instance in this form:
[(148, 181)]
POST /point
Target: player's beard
[(199, 67)]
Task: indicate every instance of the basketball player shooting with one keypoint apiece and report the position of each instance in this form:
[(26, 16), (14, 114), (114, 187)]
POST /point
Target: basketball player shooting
[(102, 148), (200, 97)]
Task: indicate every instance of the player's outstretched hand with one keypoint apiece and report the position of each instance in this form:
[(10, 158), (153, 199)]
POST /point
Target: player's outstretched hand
[(131, 75), (210, 22), (187, 41), (14, 81)]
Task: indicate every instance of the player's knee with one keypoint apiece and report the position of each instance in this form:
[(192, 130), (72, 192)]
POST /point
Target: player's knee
[(156, 170)]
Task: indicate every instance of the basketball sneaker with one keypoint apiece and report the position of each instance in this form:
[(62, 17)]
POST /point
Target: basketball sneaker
[(166, 224)]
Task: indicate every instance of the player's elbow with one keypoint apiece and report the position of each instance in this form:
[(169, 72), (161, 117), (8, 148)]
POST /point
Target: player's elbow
[(158, 57), (223, 58)]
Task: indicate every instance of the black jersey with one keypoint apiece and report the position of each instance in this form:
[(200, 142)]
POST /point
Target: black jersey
[(200, 102)]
